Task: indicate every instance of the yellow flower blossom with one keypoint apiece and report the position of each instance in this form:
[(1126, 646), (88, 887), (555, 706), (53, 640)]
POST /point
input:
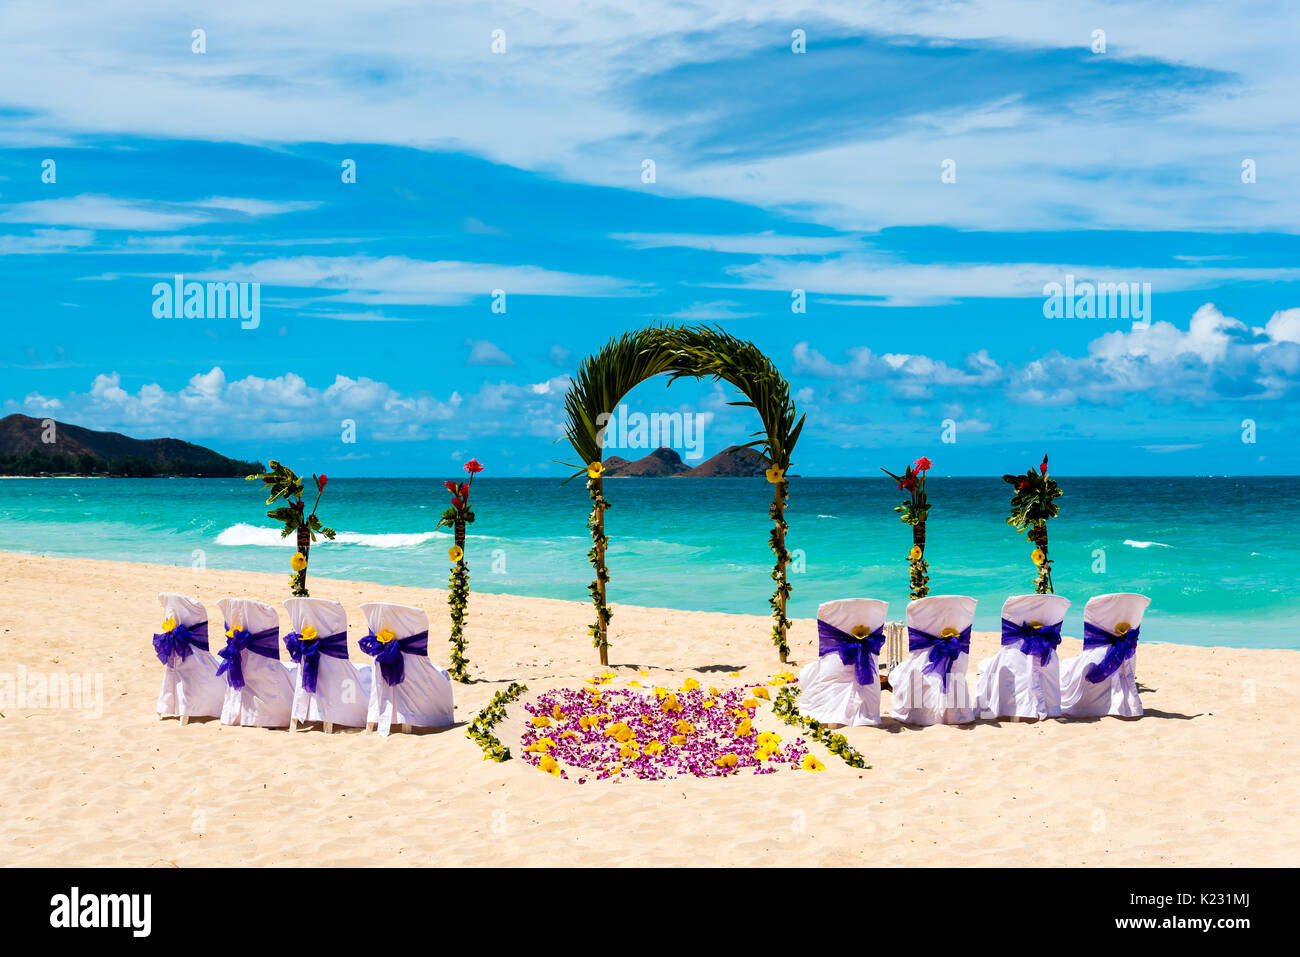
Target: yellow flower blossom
[(744, 729), (768, 738), (950, 632), (541, 721), (654, 748), (569, 734), (455, 553), (677, 739), (298, 562), (168, 625), (1122, 628), (761, 692), (385, 635), (627, 751), (690, 684), (595, 469), (915, 553), (541, 745), (671, 704), (810, 763), (726, 761), (750, 703), (709, 703), (556, 713), (634, 683), (766, 754), (646, 719), (733, 674), (684, 727), (614, 768), (1038, 556), (549, 765), (775, 474)]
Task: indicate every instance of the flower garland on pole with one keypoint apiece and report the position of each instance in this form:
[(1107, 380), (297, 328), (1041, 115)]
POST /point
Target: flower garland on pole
[(456, 517), (1032, 504), (282, 482), (776, 541), (599, 631), (914, 511)]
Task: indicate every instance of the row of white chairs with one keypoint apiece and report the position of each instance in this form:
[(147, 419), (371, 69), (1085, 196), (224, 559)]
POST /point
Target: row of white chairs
[(1025, 679), (247, 683)]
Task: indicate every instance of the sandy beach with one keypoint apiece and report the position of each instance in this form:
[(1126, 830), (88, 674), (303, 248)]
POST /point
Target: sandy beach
[(1208, 777)]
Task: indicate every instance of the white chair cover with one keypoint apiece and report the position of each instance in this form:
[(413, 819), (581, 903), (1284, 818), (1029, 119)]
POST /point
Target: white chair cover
[(190, 686), (424, 697), (1117, 694), (1014, 684), (342, 688), (829, 688), (919, 697), (266, 699)]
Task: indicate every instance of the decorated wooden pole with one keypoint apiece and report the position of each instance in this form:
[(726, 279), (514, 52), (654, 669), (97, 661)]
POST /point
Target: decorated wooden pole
[(599, 543), (781, 624), (458, 516), (281, 482), (1032, 504), (914, 511), (304, 549)]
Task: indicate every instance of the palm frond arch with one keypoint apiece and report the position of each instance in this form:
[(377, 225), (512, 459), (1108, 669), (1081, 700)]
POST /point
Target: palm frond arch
[(698, 352)]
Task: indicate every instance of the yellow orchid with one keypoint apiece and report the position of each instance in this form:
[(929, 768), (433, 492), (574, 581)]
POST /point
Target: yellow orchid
[(810, 763), (627, 751), (606, 676), (671, 704), (385, 635), (1038, 556), (595, 469), (455, 553), (541, 721), (309, 633), (646, 719), (654, 748), (168, 625), (549, 765), (726, 761), (298, 562), (768, 738), (749, 703), (761, 692), (661, 693), (540, 746), (744, 729), (557, 714), (766, 754)]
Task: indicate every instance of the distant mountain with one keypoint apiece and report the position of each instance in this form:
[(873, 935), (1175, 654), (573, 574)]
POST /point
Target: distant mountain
[(733, 462), (79, 451)]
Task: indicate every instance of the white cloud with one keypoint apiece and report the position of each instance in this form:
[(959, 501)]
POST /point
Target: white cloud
[(484, 353), (46, 241)]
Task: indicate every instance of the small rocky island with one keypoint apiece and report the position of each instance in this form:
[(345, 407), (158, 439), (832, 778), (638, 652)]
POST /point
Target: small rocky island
[(733, 462)]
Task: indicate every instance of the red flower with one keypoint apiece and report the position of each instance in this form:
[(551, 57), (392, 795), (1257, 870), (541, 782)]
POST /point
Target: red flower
[(1043, 468), (472, 467), (900, 486), (456, 503), (451, 487), (910, 484), (1021, 486), (923, 464), (320, 482), (464, 490)]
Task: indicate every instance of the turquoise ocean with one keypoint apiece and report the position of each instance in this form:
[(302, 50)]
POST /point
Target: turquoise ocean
[(1218, 556)]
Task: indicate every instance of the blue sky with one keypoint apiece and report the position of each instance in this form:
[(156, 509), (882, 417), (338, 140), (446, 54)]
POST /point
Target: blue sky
[(774, 171)]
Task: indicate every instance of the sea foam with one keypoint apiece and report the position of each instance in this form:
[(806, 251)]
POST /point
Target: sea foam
[(1129, 541), (245, 534)]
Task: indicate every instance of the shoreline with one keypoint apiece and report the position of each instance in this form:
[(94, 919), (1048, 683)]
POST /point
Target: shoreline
[(122, 788)]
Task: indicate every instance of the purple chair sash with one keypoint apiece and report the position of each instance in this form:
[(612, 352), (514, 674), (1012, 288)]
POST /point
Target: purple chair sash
[(264, 643), (852, 650), (1121, 649), (388, 654), (943, 651), (1040, 641), (180, 641), (307, 653)]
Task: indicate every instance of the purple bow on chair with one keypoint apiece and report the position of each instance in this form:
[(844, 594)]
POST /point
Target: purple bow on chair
[(388, 654), (307, 653), (181, 641), (264, 643), (1122, 647), (1040, 640), (943, 651), (851, 649)]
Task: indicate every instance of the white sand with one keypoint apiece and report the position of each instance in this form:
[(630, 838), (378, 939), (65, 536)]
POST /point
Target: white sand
[(1209, 777)]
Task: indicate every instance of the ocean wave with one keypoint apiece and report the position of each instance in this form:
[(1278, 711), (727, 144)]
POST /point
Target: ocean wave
[(1129, 541), (245, 534)]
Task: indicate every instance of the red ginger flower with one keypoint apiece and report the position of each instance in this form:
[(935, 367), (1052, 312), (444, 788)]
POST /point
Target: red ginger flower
[(923, 464), (472, 467)]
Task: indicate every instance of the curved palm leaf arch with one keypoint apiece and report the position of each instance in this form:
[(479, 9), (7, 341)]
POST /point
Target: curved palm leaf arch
[(698, 352)]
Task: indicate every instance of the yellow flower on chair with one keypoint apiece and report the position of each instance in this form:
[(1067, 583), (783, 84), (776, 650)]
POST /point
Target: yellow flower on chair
[(168, 625), (385, 635), (298, 562), (1122, 628), (309, 633), (950, 632), (455, 553)]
